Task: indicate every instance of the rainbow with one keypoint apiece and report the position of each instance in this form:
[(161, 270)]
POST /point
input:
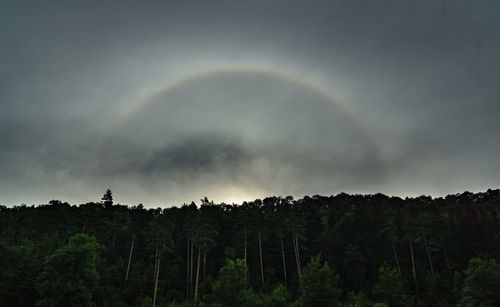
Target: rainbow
[(145, 100)]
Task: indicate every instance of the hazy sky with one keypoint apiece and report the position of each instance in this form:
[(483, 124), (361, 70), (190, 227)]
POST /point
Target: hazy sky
[(166, 102)]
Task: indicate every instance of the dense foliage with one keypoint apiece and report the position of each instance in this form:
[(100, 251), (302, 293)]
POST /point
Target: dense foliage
[(352, 250)]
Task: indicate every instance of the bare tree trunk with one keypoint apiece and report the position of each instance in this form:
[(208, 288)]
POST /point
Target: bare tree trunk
[(446, 257), (246, 268), (284, 263), (413, 262), (245, 244), (395, 256), (197, 274), (129, 259), (296, 256), (156, 277), (261, 264), (298, 253), (187, 275), (156, 263), (204, 263), (428, 255), (295, 253), (191, 271)]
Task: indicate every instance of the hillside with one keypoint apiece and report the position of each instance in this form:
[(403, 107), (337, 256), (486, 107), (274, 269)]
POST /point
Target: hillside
[(343, 249)]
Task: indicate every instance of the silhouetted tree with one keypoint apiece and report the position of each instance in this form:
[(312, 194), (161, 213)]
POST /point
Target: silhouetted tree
[(107, 198)]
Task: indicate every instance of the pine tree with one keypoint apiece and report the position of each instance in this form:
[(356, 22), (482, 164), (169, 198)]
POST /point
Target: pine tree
[(107, 198)]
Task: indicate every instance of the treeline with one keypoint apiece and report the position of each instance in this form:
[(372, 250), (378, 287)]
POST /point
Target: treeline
[(343, 250)]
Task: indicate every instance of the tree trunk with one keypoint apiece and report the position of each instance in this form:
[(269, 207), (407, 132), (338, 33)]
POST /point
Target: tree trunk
[(428, 255), (156, 276), (197, 274), (261, 264), (204, 263), (295, 253), (284, 263), (413, 263), (187, 275), (246, 268), (395, 256), (295, 249), (156, 263), (245, 244), (129, 259), (446, 257), (114, 239), (191, 271), (298, 253)]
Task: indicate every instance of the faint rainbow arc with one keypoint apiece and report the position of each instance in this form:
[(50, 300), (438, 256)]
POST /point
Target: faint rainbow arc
[(143, 101)]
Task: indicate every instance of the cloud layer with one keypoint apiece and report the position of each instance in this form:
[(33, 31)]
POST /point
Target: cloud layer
[(412, 102)]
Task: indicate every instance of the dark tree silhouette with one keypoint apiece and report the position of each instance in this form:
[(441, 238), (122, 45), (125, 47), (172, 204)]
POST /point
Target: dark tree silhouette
[(107, 198), (388, 250)]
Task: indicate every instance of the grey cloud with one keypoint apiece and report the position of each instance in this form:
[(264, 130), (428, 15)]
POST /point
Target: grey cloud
[(196, 155), (418, 77)]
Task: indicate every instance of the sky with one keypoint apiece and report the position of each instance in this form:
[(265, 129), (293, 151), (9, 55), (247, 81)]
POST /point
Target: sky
[(166, 102)]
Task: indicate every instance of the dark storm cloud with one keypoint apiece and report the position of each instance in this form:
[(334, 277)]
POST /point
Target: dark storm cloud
[(196, 155), (420, 76)]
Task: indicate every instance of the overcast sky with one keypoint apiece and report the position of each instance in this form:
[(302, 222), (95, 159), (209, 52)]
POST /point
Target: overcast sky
[(166, 102)]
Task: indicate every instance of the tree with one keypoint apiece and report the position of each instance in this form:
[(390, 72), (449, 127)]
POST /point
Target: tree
[(481, 283), (117, 224), (204, 238), (189, 229), (390, 287), (259, 223), (425, 229), (295, 224), (279, 297), (155, 249), (161, 228), (391, 232), (69, 276), (319, 285), (18, 262), (230, 282), (354, 266), (107, 198), (279, 232), (148, 302), (410, 227)]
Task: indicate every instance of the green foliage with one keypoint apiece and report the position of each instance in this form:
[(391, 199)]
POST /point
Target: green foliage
[(279, 297), (161, 229), (481, 283), (148, 302), (355, 233), (227, 289), (69, 275), (354, 263), (319, 285), (358, 299), (249, 298), (390, 287), (18, 264)]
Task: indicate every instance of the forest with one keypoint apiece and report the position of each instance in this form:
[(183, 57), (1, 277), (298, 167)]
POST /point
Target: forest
[(342, 250)]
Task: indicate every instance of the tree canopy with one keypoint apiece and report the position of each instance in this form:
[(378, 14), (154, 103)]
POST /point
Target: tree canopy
[(352, 250)]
